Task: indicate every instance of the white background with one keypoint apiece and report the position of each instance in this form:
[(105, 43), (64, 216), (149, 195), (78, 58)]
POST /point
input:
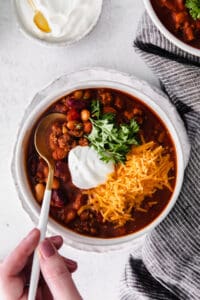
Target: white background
[(25, 67)]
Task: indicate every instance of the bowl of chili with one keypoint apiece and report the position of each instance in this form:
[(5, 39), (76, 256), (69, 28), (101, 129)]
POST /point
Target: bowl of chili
[(140, 125), (178, 21)]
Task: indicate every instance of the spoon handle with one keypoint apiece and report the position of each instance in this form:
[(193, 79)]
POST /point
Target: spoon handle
[(32, 4), (42, 226)]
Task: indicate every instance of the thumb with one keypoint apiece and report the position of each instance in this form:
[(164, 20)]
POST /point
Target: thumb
[(56, 273)]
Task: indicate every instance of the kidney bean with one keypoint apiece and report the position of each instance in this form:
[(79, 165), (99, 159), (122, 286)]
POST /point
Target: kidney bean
[(62, 171), (58, 199), (73, 115)]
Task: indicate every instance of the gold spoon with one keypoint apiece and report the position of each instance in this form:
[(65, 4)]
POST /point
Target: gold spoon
[(43, 149), (39, 19)]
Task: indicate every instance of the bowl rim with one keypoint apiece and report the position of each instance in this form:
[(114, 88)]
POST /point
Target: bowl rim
[(172, 38), (32, 208), (22, 28)]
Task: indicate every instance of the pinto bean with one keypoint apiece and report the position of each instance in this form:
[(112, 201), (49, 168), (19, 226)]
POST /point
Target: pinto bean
[(39, 192), (71, 125), (180, 4), (179, 18), (161, 137), (109, 109), (128, 114), (70, 215), (83, 142), (78, 94), (87, 95), (46, 171), (56, 184), (119, 102), (64, 129), (61, 108), (77, 201), (87, 127), (84, 215), (106, 97), (169, 4), (189, 33), (85, 115), (137, 111)]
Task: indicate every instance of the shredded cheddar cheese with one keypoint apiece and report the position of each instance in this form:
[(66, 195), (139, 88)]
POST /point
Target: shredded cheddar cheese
[(146, 170)]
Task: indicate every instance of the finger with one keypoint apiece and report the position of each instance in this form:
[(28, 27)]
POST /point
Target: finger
[(57, 240), (17, 260), (39, 295), (46, 294), (56, 273), (71, 264)]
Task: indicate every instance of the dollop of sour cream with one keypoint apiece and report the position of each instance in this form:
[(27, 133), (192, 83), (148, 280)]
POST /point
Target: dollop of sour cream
[(68, 19), (86, 168)]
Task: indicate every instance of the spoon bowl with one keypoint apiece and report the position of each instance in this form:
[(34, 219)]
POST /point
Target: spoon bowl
[(41, 137), (43, 149), (39, 19)]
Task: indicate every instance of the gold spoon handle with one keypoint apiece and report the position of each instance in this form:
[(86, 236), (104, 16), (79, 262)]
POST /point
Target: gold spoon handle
[(32, 4)]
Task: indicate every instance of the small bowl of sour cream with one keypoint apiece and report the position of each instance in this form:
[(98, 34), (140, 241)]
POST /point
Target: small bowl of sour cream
[(69, 20)]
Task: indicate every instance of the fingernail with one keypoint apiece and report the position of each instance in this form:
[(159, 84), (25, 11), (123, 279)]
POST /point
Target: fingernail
[(57, 238), (46, 248), (31, 233), (71, 262)]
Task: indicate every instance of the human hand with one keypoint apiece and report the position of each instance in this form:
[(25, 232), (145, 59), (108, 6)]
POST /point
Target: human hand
[(56, 282)]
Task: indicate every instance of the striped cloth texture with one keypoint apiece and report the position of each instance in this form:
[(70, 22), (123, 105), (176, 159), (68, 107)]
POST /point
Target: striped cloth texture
[(168, 264)]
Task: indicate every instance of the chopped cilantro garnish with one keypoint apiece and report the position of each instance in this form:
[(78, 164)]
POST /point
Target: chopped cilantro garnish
[(95, 109), (194, 8), (112, 142)]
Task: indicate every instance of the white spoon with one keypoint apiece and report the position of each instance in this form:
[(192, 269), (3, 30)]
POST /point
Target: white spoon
[(41, 145)]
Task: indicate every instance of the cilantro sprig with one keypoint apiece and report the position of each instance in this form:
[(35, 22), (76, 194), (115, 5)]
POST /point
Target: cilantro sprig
[(112, 142), (95, 109), (194, 8)]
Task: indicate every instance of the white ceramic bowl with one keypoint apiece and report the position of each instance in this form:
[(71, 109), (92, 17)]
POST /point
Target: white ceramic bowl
[(172, 38), (91, 78), (54, 42)]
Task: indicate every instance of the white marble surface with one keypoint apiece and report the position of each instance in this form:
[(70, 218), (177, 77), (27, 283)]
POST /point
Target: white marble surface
[(25, 67)]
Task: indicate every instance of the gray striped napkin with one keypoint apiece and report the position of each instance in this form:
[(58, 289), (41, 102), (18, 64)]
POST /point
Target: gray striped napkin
[(168, 265)]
